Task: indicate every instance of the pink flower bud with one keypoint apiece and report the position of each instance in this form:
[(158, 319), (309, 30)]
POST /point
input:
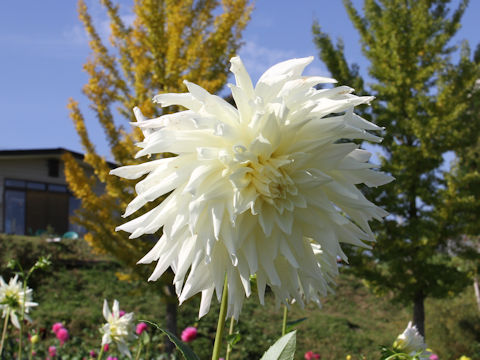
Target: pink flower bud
[(57, 326), (141, 327), (62, 335), (106, 347), (121, 313), (310, 355), (92, 354), (52, 351), (189, 334)]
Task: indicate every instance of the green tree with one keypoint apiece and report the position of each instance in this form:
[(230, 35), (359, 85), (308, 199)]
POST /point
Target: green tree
[(422, 99), (462, 196), (169, 41)]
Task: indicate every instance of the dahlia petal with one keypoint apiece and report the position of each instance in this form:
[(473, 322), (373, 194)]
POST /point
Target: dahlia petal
[(166, 185), (163, 262), (138, 225), (206, 301), (116, 309), (166, 140), (136, 171), (183, 120), (106, 310), (106, 339), (243, 102), (186, 100), (303, 84), (14, 319), (242, 78), (293, 68), (359, 122), (181, 166), (261, 285)]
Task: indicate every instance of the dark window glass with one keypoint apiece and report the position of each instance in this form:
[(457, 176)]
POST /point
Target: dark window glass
[(14, 212), (74, 204), (57, 188), (15, 183), (53, 167), (36, 186)]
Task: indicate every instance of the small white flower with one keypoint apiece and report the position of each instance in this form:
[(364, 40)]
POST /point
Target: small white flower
[(118, 329), (255, 188), (411, 342), (13, 298)]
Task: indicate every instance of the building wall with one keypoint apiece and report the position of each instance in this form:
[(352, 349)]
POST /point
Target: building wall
[(30, 168)]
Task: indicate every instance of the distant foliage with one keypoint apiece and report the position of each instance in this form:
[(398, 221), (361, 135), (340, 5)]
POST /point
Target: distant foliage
[(423, 99)]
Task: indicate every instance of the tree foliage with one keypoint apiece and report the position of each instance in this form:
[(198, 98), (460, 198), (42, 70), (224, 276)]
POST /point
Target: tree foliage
[(462, 198), (423, 99), (168, 41)]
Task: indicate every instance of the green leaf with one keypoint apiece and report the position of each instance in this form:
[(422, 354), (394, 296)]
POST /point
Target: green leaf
[(293, 323), (234, 338), (145, 338), (187, 353), (283, 349)]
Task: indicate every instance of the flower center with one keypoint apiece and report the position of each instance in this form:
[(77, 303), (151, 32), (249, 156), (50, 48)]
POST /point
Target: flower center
[(12, 299), (265, 175), (270, 179)]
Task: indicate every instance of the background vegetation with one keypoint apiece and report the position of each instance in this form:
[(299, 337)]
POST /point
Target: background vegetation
[(353, 321)]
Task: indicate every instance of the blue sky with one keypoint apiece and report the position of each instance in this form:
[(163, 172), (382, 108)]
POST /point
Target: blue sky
[(43, 48)]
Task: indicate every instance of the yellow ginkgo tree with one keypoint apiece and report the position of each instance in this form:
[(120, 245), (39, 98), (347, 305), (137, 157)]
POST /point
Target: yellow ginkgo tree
[(168, 42)]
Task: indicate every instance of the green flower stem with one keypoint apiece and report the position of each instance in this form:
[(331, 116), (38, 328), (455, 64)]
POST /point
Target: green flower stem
[(4, 332), (100, 354), (147, 351), (139, 348), (398, 356), (221, 322), (22, 316), (230, 332), (284, 323)]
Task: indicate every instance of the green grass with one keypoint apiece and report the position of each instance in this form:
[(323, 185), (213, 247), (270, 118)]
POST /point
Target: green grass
[(352, 321)]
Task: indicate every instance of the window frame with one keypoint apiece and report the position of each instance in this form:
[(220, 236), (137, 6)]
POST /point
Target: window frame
[(25, 189)]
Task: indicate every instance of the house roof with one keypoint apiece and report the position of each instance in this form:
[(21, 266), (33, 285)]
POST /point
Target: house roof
[(44, 152)]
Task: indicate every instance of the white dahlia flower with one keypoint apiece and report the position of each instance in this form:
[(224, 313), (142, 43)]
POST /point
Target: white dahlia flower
[(13, 298), (412, 343), (254, 187), (119, 328)]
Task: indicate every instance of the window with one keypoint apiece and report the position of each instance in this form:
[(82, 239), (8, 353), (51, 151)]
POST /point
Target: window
[(30, 207), (57, 188), (53, 167), (14, 212), (15, 183), (74, 204), (36, 186)]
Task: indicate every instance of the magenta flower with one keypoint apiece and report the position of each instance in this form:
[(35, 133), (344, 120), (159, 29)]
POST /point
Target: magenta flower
[(112, 358), (106, 347), (121, 313), (62, 335), (57, 326), (433, 357), (92, 354), (310, 355), (52, 351), (141, 327), (189, 334)]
